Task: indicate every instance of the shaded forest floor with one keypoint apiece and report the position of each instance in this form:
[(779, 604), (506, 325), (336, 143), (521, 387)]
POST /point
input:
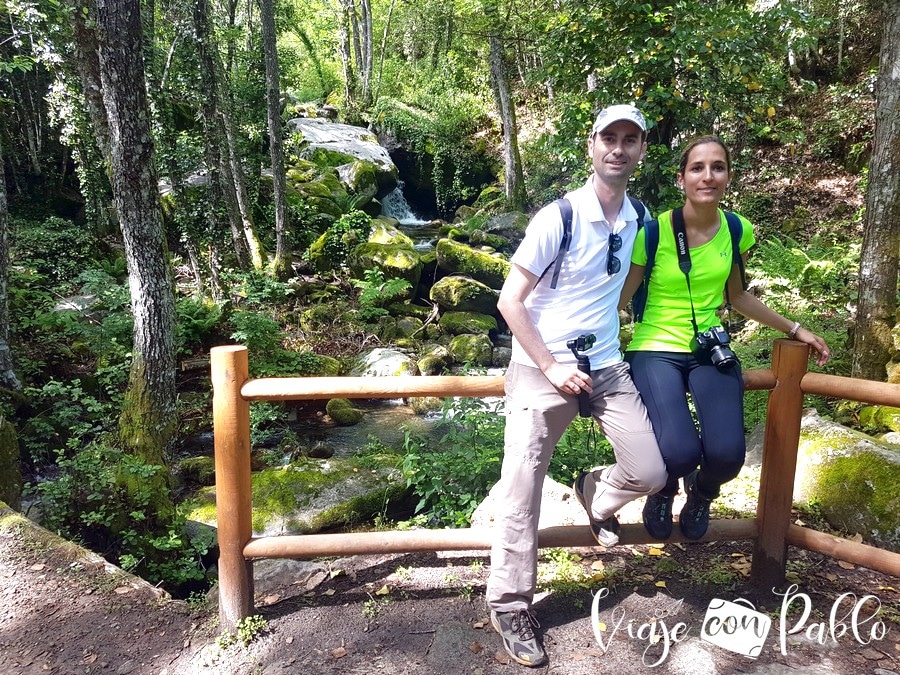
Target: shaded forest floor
[(65, 611)]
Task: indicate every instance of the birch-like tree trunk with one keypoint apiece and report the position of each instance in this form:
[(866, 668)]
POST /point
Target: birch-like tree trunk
[(876, 314), (8, 379), (512, 160), (281, 264), (148, 420)]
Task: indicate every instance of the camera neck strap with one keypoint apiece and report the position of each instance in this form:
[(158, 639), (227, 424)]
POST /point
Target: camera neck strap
[(684, 257)]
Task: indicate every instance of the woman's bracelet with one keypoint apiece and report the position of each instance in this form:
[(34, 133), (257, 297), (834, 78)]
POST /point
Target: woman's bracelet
[(792, 333)]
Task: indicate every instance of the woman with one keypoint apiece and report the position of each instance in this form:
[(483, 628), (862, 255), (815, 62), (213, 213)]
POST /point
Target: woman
[(667, 359)]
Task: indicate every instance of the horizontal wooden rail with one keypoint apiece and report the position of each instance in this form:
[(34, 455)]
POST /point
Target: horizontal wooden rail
[(313, 388), (844, 549), (468, 539), (851, 389)]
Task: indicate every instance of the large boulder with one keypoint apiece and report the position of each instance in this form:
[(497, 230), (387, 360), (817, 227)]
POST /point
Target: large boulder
[(854, 478), (310, 495), (464, 294), (381, 362), (396, 261), (475, 349), (346, 144), (460, 323), (458, 258)]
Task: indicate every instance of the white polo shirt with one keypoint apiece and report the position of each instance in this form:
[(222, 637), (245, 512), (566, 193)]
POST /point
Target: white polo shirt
[(586, 297)]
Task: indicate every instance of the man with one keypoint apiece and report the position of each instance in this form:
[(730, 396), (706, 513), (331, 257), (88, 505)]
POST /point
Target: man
[(543, 383)]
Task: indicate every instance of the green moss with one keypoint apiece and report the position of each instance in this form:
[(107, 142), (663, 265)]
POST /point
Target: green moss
[(463, 259), (460, 323), (342, 412)]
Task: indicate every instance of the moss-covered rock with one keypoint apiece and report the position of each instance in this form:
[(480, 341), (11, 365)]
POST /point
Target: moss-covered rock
[(494, 241), (360, 179), (10, 473), (459, 258), (881, 417), (198, 470), (309, 495), (381, 362), (473, 349), (384, 232), (854, 479), (460, 323), (464, 294), (394, 261), (343, 413)]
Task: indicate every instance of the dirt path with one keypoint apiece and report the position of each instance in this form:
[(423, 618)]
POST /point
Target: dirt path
[(62, 610)]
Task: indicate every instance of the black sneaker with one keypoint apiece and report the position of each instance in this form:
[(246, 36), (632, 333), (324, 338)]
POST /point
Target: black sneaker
[(694, 518), (658, 515), (516, 629), (606, 532)]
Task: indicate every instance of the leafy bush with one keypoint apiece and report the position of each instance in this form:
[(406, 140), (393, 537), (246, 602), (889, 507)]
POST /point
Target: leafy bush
[(56, 248), (453, 476), (376, 291), (344, 234), (263, 338), (196, 320), (89, 502)]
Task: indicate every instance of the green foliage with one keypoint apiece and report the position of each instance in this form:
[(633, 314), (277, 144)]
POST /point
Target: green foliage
[(248, 629), (196, 319), (344, 234), (441, 137), (376, 292), (453, 477), (580, 448), (65, 416), (102, 497), (256, 289), (718, 71), (843, 131), (263, 338), (55, 248)]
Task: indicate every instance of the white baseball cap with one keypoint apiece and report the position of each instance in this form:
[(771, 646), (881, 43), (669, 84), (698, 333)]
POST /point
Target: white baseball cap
[(618, 113)]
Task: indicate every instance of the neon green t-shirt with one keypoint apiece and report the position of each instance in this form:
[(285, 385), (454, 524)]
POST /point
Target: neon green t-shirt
[(666, 326)]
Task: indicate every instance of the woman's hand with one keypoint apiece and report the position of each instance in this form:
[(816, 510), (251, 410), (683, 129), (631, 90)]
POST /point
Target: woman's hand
[(823, 354)]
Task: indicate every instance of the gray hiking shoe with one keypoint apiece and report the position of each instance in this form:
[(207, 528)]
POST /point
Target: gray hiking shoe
[(694, 518), (516, 629), (606, 532)]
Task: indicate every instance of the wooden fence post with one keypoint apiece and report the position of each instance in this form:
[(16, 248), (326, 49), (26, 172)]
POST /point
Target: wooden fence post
[(231, 427), (779, 465)]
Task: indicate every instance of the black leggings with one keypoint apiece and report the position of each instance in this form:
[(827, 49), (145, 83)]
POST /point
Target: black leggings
[(664, 379)]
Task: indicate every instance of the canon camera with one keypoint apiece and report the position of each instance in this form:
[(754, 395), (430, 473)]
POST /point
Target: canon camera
[(715, 343)]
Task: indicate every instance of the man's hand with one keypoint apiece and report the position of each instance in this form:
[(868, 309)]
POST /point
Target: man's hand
[(568, 379)]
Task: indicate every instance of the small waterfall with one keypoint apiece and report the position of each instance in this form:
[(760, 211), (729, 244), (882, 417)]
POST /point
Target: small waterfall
[(395, 205)]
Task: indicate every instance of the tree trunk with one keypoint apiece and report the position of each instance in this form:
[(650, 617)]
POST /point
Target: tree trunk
[(346, 57), (387, 26), (876, 314), (281, 264), (147, 422), (8, 379), (514, 178), (221, 190)]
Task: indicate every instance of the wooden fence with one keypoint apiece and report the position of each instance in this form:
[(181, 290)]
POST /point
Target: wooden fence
[(787, 381)]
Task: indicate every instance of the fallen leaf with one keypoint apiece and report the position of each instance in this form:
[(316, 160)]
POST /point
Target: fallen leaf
[(799, 522), (122, 590), (478, 624), (37, 567), (738, 555), (598, 565), (339, 653), (831, 576), (502, 657), (329, 592), (476, 647), (887, 588), (654, 551), (846, 565), (660, 584), (857, 538), (337, 573), (315, 580), (601, 626), (271, 599), (384, 590)]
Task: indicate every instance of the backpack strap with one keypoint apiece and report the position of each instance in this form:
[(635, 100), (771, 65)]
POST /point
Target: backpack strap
[(651, 243), (565, 212)]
